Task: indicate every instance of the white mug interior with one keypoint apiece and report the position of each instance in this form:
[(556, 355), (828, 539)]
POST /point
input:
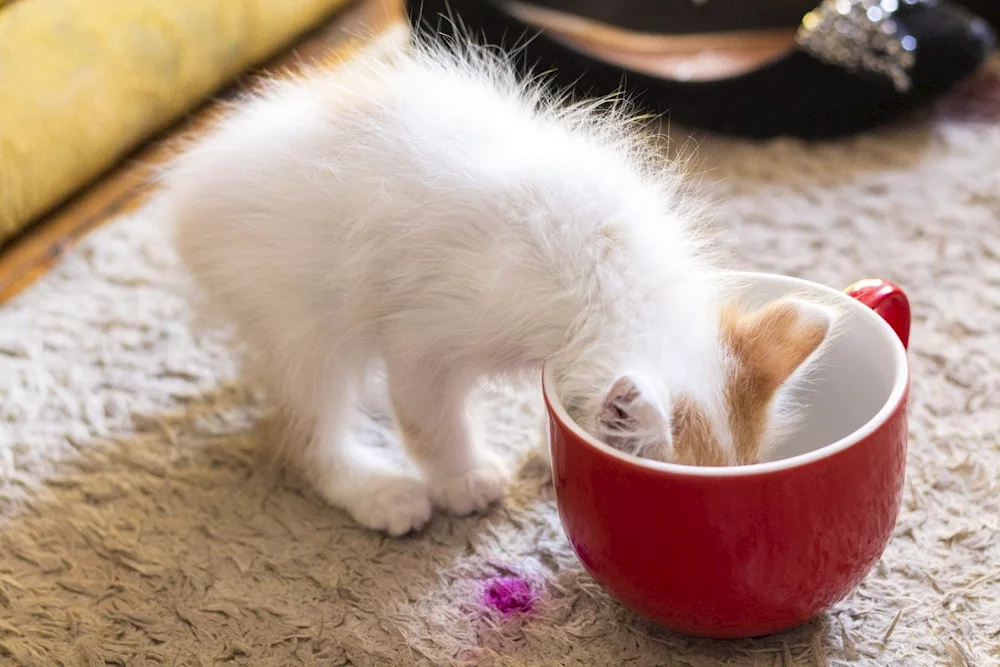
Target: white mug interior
[(859, 381)]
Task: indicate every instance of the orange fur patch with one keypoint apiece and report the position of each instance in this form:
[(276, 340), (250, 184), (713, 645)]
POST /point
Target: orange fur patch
[(768, 346), (695, 442)]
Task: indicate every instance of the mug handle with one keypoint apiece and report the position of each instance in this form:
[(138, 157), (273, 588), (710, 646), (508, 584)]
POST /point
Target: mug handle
[(888, 300)]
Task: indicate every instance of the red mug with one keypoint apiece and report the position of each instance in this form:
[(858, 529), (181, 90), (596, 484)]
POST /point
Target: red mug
[(732, 552)]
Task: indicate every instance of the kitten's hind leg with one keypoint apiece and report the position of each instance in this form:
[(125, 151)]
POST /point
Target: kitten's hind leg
[(431, 413), (378, 490)]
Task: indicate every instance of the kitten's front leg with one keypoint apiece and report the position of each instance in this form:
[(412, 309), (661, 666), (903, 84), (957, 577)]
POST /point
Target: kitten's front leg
[(463, 476)]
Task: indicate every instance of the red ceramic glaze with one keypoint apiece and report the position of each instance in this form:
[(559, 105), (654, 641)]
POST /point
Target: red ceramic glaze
[(737, 552), (888, 300)]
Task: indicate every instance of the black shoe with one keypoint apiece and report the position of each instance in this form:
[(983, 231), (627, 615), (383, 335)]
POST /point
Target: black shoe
[(987, 9), (849, 66), (715, 16), (685, 17)]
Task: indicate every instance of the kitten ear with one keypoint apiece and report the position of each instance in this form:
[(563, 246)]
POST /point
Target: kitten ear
[(632, 419), (773, 342), (798, 328), (769, 345)]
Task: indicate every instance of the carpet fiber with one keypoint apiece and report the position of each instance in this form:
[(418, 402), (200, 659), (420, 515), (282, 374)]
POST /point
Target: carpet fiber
[(136, 528)]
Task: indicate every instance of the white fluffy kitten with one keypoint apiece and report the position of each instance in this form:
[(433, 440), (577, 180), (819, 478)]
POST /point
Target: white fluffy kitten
[(426, 211)]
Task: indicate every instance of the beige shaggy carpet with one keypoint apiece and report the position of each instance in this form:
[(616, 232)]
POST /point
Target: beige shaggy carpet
[(136, 528)]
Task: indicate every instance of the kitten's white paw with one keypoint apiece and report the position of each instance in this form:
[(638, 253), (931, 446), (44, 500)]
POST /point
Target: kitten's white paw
[(396, 505), (473, 490)]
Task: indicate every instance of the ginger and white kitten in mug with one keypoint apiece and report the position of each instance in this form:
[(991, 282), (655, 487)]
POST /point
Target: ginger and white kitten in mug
[(425, 211)]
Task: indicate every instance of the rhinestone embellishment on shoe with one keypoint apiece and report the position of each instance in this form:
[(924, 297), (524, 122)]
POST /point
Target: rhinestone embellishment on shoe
[(861, 34)]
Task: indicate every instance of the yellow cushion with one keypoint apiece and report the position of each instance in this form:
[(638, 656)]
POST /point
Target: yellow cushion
[(84, 81)]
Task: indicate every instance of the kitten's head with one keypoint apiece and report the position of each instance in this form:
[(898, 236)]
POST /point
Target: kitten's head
[(733, 414)]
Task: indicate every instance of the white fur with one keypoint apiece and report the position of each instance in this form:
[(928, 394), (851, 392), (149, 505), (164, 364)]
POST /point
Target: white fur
[(428, 211), (785, 411)]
